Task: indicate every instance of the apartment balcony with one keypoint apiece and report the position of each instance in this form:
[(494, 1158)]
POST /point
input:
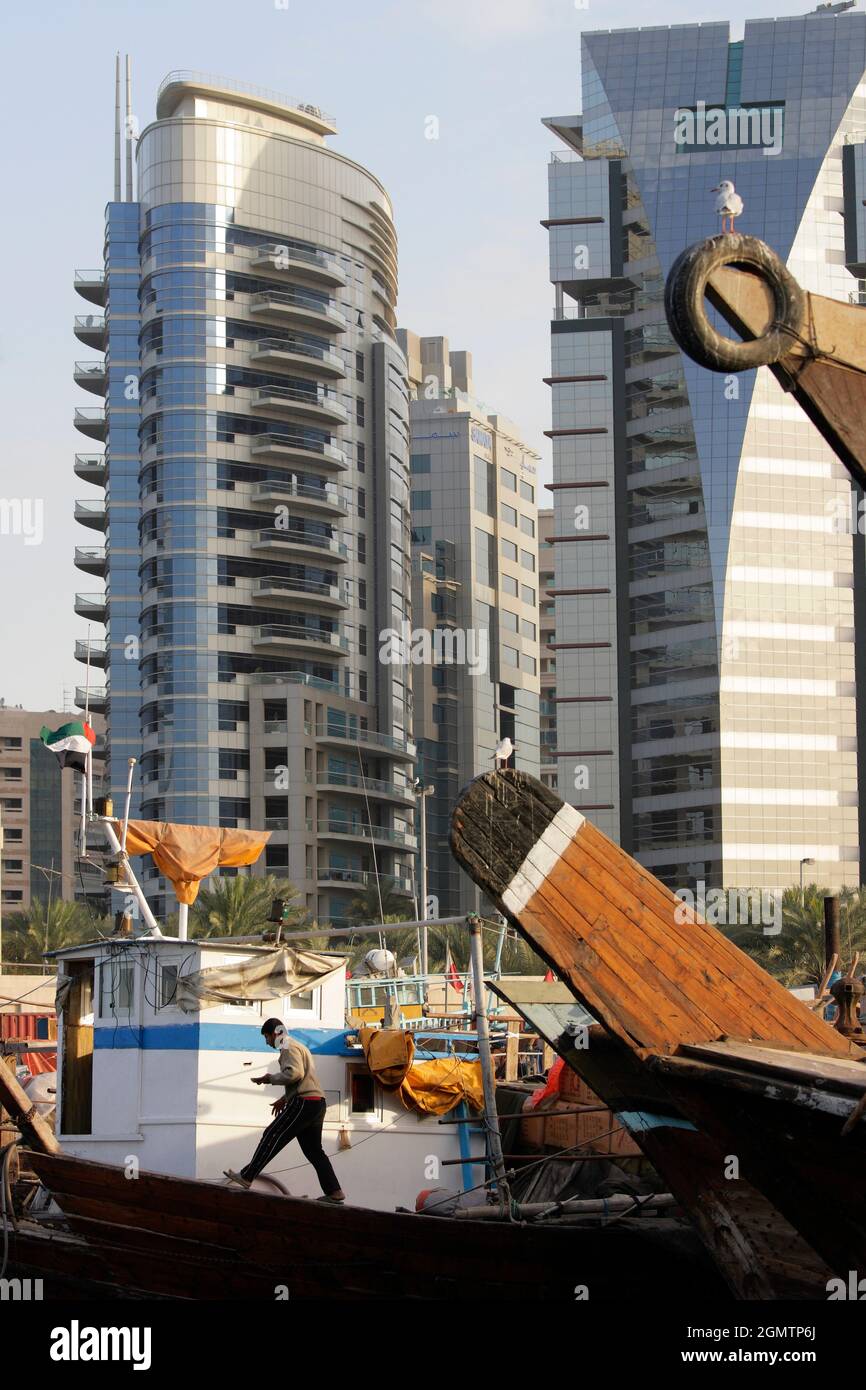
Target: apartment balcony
[(92, 376), (335, 829), (326, 501), (92, 606), (90, 284), (92, 514), (301, 639), (294, 262), (281, 354), (92, 421), (293, 401), (356, 880), (339, 736), (289, 544), (94, 653), (282, 446), (278, 591), (91, 559), (376, 787), (90, 468), (95, 700), (91, 330), (303, 310)]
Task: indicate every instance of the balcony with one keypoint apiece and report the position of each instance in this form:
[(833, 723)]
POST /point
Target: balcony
[(96, 700), (308, 451), (357, 879), (327, 500), (339, 736), (92, 514), (301, 639), (92, 606), (90, 284), (292, 400), (96, 653), (359, 830), (91, 559), (291, 592), (92, 376), (293, 306), (186, 82), (354, 782), (90, 468), (91, 420), (284, 354), (294, 262), (297, 543), (90, 329)]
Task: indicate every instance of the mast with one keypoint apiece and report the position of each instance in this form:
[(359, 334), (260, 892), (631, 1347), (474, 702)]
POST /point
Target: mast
[(117, 193), (491, 1118), (129, 192)]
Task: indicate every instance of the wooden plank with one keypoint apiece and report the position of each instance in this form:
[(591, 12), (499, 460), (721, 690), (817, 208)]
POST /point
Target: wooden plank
[(837, 1073)]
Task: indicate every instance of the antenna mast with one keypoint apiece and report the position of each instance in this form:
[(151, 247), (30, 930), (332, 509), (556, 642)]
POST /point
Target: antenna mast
[(117, 193)]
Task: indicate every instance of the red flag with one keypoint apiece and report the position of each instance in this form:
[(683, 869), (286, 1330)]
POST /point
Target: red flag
[(451, 972), (548, 979)]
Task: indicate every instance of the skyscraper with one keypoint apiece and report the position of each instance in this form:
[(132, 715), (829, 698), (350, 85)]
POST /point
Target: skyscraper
[(474, 593), (707, 595), (256, 486)]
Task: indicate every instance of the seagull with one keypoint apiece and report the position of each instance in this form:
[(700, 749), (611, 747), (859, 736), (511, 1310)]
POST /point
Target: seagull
[(729, 204), (503, 753)]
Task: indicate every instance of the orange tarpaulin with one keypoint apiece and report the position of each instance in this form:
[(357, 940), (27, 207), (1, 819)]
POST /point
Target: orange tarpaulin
[(186, 854), (431, 1088)]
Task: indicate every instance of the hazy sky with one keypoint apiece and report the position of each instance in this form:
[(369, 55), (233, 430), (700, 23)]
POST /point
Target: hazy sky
[(467, 206)]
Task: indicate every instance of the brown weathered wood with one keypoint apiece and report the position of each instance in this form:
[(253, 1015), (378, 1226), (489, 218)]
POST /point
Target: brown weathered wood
[(14, 1099)]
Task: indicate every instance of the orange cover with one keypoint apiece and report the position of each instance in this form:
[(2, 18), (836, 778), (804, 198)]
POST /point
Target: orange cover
[(186, 854)]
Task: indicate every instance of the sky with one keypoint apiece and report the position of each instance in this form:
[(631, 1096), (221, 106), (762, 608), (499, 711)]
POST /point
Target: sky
[(467, 206)]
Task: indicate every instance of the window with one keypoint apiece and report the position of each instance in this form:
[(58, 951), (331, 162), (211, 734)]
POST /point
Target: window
[(527, 560), (361, 457), (527, 629), (419, 463), (421, 500), (13, 866), (511, 655), (527, 525), (10, 741), (509, 479), (422, 535), (527, 492), (485, 557), (484, 478), (359, 410), (362, 594), (116, 987), (527, 593), (13, 895), (508, 514), (508, 550), (362, 1091), (298, 1003), (362, 502), (362, 640), (527, 663), (359, 365), (509, 585), (362, 549), (509, 620), (167, 985)]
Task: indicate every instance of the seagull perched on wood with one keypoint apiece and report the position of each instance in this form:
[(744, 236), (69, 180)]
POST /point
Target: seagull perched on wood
[(729, 204), (503, 753)]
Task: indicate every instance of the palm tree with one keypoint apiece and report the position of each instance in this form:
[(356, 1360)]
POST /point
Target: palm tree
[(796, 955), (42, 927), (366, 906), (240, 905)]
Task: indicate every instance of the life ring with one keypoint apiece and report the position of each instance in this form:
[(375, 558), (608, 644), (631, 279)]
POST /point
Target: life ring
[(687, 315)]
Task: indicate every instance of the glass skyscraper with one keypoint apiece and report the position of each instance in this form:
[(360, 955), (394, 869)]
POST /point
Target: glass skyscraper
[(256, 488), (707, 587)]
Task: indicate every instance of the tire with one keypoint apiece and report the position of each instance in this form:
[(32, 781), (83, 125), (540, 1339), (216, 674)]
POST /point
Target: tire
[(687, 315)]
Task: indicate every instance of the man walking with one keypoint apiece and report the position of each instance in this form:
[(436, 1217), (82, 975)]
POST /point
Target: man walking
[(299, 1113)]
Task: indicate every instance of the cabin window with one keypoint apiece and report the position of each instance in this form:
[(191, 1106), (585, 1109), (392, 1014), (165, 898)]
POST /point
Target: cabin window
[(300, 1003), (116, 987), (167, 985), (362, 1091)]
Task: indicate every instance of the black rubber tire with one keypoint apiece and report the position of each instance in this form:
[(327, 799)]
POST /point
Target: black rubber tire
[(687, 315)]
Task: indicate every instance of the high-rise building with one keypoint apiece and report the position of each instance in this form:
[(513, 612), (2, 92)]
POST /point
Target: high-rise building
[(474, 648), (547, 658), (40, 811), (256, 489), (706, 594)]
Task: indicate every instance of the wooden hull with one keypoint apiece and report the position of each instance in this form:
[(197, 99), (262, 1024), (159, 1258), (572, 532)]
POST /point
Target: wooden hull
[(688, 1010), (175, 1238)]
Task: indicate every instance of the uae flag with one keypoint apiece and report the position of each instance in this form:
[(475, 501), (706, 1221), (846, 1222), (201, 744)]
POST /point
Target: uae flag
[(71, 742)]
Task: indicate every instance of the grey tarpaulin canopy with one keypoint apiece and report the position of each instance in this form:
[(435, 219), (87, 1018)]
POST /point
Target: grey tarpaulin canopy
[(262, 977)]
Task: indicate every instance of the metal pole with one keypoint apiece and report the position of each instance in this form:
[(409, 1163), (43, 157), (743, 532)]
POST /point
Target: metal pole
[(832, 933), (182, 921), (131, 880), (129, 777), (1, 890), (117, 191), (424, 942), (129, 192), (494, 1137)]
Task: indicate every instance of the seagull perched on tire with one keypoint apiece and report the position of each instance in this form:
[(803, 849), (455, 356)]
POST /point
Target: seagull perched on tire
[(503, 753), (729, 204)]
